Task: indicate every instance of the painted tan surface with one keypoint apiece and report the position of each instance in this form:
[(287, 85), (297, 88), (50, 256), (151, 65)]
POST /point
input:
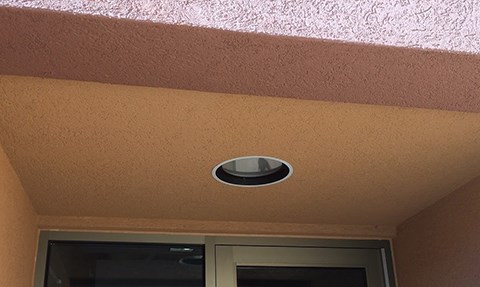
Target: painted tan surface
[(214, 227), (101, 157), (441, 245), (18, 230), (98, 150)]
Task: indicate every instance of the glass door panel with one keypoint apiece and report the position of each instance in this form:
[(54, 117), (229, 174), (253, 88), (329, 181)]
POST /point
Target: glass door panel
[(254, 276), (253, 266)]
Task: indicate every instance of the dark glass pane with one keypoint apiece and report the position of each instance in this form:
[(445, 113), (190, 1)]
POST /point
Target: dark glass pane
[(300, 277), (73, 264)]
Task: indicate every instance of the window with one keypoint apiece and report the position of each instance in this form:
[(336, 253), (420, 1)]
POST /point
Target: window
[(91, 264), (85, 259)]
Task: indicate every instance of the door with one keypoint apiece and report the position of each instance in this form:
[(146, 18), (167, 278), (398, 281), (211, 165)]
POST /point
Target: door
[(259, 266)]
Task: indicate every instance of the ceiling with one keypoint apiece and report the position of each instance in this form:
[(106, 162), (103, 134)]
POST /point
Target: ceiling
[(91, 149), (122, 108)]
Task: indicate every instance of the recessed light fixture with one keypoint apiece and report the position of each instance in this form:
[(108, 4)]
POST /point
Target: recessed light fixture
[(250, 171), (196, 260)]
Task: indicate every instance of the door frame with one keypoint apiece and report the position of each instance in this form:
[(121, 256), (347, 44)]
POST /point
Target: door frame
[(229, 258), (210, 242)]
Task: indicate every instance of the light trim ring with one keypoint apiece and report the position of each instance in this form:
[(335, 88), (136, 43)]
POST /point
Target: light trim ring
[(225, 177)]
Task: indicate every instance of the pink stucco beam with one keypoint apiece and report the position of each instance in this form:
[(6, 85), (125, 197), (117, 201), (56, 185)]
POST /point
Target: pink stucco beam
[(449, 25)]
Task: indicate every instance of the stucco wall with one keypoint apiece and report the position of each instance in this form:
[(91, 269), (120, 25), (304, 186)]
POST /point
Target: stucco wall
[(441, 245), (18, 231)]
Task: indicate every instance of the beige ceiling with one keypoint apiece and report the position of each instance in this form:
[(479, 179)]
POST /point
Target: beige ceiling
[(89, 149)]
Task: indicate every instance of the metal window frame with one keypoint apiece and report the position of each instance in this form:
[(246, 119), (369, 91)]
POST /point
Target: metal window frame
[(210, 242)]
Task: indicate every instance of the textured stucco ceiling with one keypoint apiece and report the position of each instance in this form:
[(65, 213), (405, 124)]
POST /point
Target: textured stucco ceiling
[(110, 50), (450, 25), (90, 149), (98, 150)]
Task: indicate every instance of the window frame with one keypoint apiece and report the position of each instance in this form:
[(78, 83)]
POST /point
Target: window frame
[(210, 242)]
